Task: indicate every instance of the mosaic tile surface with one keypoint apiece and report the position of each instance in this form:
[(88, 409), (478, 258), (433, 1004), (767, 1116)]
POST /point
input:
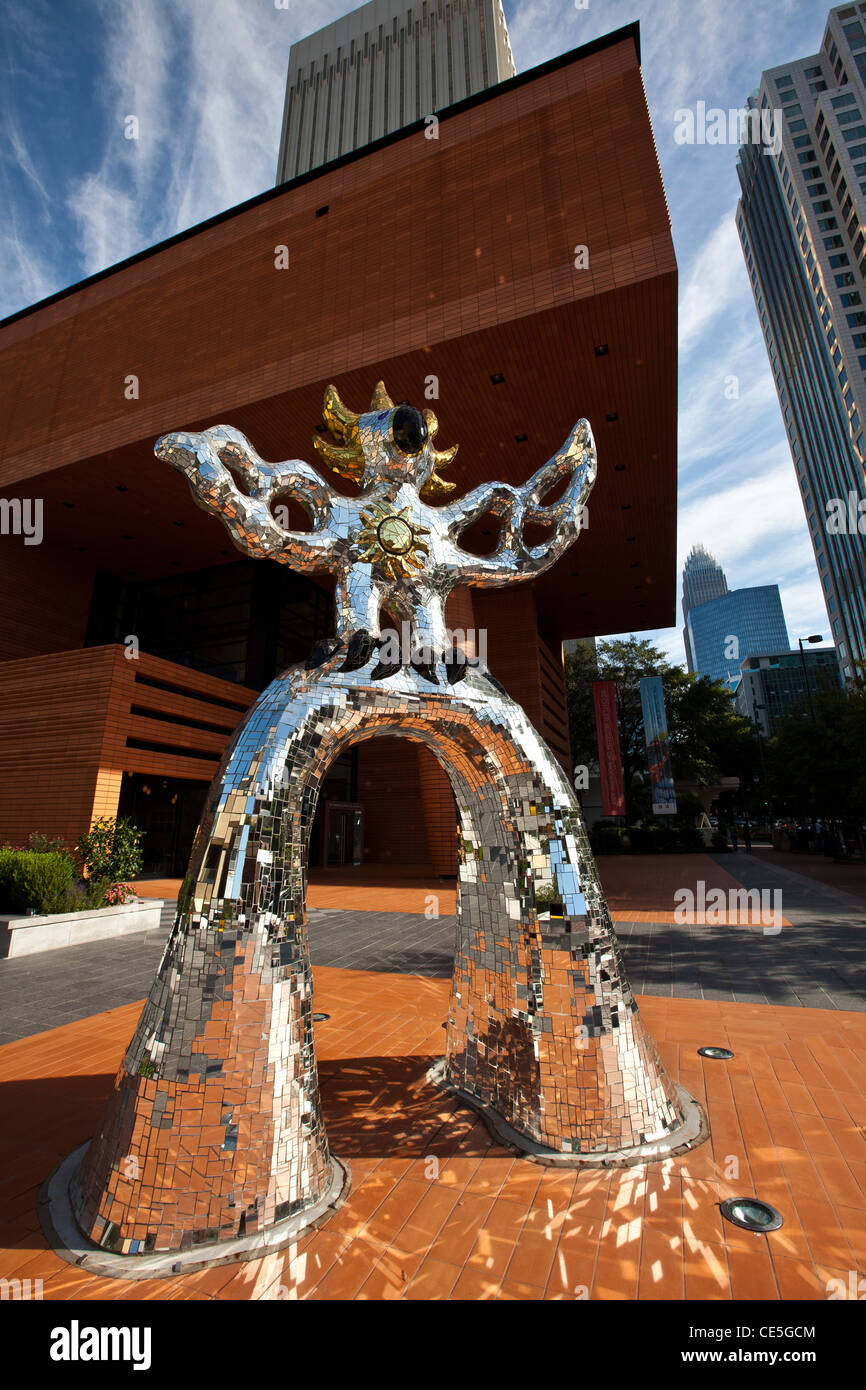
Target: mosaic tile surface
[(215, 1128)]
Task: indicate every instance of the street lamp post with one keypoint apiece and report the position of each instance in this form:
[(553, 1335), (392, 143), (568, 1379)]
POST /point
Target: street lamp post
[(800, 641), (759, 737)]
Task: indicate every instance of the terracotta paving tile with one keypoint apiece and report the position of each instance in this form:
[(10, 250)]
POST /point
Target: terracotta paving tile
[(616, 1276), (824, 1232), (475, 1286), (434, 1280), (752, 1274), (706, 1271), (520, 1292), (839, 1182), (348, 1273), (853, 1223), (459, 1233), (662, 1266), (396, 1209), (797, 1279), (532, 1258), (390, 1278), (437, 1210), (783, 1127)]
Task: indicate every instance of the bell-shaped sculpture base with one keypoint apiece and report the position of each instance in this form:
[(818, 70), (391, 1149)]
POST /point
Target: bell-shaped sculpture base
[(214, 1130)]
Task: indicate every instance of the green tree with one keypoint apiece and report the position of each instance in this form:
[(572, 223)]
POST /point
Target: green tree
[(817, 767), (709, 739)]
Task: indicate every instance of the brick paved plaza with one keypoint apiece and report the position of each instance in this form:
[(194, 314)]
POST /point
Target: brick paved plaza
[(436, 1209)]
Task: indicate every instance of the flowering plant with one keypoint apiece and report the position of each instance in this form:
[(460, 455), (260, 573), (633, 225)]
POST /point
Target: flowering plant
[(118, 893)]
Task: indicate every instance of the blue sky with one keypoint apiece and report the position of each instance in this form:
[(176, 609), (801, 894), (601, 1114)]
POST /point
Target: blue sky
[(206, 80)]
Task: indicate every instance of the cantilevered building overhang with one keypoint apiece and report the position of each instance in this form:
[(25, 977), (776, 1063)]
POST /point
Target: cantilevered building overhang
[(520, 265)]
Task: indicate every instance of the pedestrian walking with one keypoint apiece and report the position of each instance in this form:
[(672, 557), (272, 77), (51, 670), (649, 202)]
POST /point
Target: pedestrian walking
[(747, 836), (734, 836)]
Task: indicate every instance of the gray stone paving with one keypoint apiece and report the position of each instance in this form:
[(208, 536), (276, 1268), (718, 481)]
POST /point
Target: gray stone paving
[(819, 961)]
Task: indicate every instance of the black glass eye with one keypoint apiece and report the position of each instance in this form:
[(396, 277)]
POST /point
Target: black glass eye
[(408, 429)]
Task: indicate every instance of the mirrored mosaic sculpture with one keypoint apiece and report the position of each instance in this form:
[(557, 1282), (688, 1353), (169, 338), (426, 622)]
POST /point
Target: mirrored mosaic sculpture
[(214, 1129)]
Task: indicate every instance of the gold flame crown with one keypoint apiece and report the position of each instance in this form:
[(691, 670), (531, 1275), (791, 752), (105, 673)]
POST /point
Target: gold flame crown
[(346, 457)]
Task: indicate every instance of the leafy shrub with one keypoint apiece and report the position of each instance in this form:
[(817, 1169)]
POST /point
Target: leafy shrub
[(111, 850), (40, 881), (44, 844), (720, 842), (45, 881)]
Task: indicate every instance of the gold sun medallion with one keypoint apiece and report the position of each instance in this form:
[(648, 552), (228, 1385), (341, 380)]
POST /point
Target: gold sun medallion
[(392, 541)]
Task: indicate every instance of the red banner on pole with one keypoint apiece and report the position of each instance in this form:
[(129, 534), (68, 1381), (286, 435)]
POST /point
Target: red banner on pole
[(609, 758)]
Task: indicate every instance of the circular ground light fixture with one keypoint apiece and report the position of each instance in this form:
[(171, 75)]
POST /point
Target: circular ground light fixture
[(320, 1018), (751, 1215), (716, 1054)]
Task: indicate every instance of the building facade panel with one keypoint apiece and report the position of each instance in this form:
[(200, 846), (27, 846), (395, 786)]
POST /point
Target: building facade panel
[(385, 66), (488, 309), (725, 630), (802, 225)]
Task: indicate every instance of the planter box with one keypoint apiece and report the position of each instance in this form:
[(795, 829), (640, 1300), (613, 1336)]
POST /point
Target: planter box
[(25, 936)]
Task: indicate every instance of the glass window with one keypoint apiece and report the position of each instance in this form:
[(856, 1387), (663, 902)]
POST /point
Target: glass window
[(796, 125), (846, 278), (858, 151), (848, 116), (854, 132)]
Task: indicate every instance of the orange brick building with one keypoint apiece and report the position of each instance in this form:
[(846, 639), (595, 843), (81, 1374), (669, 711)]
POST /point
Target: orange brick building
[(518, 270)]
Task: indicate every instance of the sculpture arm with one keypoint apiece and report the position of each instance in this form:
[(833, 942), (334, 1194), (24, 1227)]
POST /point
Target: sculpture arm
[(514, 561), (207, 460)]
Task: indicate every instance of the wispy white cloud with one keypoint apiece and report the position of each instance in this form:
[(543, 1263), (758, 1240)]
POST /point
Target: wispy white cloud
[(715, 282), (205, 85), (206, 82)]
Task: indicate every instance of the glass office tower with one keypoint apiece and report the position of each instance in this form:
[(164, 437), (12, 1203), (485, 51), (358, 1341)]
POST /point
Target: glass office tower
[(723, 632), (802, 225), (703, 579)]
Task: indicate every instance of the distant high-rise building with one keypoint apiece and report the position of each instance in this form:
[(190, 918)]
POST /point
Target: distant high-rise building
[(382, 67), (703, 579), (722, 632), (802, 224), (774, 684)]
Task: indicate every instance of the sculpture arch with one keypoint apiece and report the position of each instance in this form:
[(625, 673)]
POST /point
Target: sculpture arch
[(217, 1099), (213, 1135)]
